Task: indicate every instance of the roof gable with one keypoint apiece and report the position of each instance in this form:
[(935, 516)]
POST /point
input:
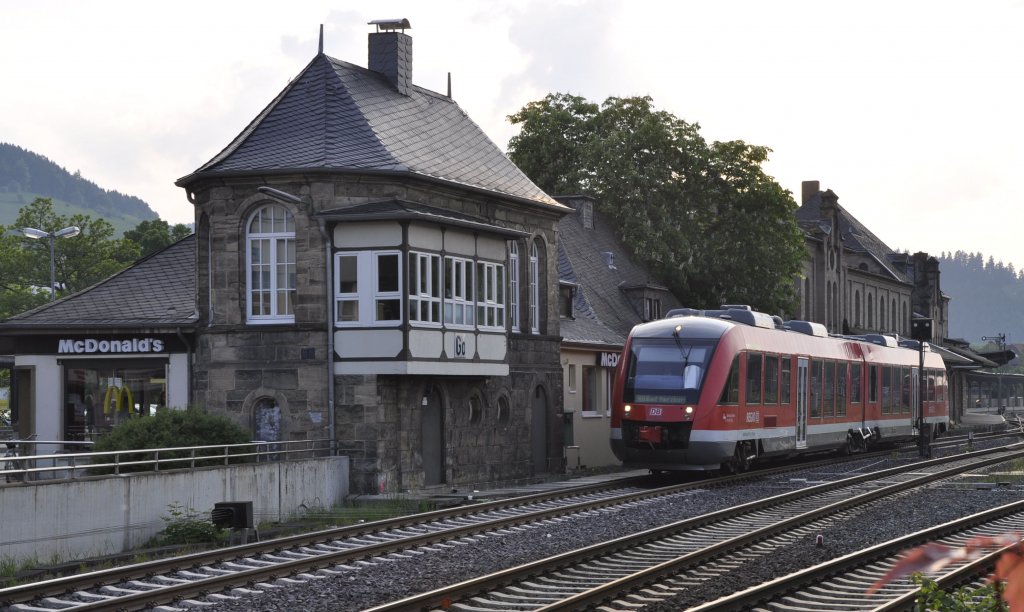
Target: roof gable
[(336, 116)]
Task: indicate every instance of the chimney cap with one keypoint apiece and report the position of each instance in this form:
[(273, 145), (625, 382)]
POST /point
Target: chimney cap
[(388, 25)]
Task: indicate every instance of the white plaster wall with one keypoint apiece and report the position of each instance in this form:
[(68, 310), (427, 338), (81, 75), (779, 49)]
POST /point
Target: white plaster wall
[(367, 343), (104, 515), (366, 235), (425, 344), (425, 238), (491, 248), (459, 243), (47, 412), (177, 381)]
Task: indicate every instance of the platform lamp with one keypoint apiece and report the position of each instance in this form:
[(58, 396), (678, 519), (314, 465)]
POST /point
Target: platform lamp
[(921, 330), (36, 234)]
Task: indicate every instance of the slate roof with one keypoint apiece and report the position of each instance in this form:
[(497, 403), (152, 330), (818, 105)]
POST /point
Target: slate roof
[(603, 312), (339, 117), (856, 236), (158, 291)]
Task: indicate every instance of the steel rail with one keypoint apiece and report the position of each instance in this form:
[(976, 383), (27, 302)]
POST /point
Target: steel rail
[(957, 574), (445, 597)]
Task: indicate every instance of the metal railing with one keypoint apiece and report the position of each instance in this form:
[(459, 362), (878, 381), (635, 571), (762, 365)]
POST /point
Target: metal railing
[(31, 467)]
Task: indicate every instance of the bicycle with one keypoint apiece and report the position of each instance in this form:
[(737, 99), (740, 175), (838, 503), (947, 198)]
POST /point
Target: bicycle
[(14, 466)]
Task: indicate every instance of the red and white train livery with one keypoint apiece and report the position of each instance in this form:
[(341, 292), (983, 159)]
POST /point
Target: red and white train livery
[(702, 390)]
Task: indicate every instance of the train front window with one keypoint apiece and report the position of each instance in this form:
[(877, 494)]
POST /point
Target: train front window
[(666, 371)]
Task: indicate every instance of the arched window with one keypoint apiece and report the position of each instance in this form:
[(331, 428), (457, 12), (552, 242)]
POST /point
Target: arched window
[(513, 280), (856, 309), (871, 311), (881, 313), (534, 289), (270, 266), (895, 313)]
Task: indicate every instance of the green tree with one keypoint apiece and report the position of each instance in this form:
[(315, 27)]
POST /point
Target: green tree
[(151, 236), (79, 262), (704, 217)]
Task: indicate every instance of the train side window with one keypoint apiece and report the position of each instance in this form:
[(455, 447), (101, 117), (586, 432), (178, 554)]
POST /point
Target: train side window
[(830, 389), (854, 383), (731, 392), (932, 376), (841, 368), (771, 379), (786, 380), (754, 374), (886, 390), (815, 392)]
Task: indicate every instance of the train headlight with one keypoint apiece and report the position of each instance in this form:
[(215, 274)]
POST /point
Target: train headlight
[(689, 410), (627, 408)]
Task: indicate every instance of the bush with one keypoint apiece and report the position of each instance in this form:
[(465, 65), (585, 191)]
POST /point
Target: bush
[(186, 526), (168, 429)]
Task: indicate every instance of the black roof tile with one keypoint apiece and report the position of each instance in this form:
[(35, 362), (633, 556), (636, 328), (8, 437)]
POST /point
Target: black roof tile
[(342, 117), (157, 291)]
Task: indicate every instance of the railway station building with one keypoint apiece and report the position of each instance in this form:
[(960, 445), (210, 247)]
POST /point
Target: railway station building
[(367, 268), (853, 283)]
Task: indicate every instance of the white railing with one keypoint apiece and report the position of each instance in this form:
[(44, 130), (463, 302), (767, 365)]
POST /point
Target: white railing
[(27, 466)]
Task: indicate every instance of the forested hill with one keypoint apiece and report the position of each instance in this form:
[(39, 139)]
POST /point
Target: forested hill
[(25, 175), (987, 297)]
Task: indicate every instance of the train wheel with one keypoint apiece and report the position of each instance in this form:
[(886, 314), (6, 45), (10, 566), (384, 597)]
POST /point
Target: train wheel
[(740, 461)]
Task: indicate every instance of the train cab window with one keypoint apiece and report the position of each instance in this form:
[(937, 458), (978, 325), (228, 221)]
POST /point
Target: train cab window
[(785, 381), (668, 371), (771, 379), (887, 402), (854, 383), (754, 374), (815, 390), (841, 389), (731, 392), (829, 389)]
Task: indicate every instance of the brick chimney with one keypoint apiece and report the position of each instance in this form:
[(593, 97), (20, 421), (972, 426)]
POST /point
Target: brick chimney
[(809, 190), (391, 53)]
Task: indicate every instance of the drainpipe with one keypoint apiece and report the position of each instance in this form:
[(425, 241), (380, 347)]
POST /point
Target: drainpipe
[(328, 283)]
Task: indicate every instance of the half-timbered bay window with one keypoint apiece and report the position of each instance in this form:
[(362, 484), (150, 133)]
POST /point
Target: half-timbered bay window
[(270, 262), (424, 288), (367, 288)]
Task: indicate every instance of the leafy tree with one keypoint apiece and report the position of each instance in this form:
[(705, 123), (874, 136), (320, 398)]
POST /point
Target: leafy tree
[(151, 236), (79, 262), (704, 217)]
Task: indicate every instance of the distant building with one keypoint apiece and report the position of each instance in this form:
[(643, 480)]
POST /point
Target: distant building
[(854, 283), (603, 293)]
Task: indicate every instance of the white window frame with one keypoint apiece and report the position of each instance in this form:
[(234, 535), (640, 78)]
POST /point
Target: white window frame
[(513, 282), (459, 305), (368, 291), (425, 290), (269, 241), (534, 288), (490, 295)]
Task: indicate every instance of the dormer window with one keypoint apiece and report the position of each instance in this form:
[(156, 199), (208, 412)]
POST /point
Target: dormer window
[(652, 309)]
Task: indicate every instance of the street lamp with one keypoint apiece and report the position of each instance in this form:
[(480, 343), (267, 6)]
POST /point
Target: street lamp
[(36, 234)]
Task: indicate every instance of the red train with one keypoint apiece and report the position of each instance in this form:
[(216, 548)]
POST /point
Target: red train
[(719, 389)]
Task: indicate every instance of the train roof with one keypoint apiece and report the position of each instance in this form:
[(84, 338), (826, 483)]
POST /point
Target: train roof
[(712, 324)]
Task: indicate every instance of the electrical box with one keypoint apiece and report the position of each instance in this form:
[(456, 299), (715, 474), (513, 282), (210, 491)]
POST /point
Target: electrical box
[(236, 515)]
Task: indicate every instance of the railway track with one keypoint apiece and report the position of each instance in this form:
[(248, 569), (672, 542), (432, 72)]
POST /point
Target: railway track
[(159, 582), (849, 578), (653, 566)]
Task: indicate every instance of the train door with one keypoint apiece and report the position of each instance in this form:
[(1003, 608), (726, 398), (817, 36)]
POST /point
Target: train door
[(432, 438), (801, 402)]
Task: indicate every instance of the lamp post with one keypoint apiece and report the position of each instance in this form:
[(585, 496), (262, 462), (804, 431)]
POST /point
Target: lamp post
[(1000, 340), (36, 234)]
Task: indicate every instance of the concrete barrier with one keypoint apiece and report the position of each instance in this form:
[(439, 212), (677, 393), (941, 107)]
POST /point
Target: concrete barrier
[(67, 520)]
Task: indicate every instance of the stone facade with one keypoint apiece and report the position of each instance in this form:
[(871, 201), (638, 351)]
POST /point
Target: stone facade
[(376, 417)]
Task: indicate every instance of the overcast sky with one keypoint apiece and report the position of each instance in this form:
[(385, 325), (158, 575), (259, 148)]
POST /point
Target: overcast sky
[(910, 111)]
